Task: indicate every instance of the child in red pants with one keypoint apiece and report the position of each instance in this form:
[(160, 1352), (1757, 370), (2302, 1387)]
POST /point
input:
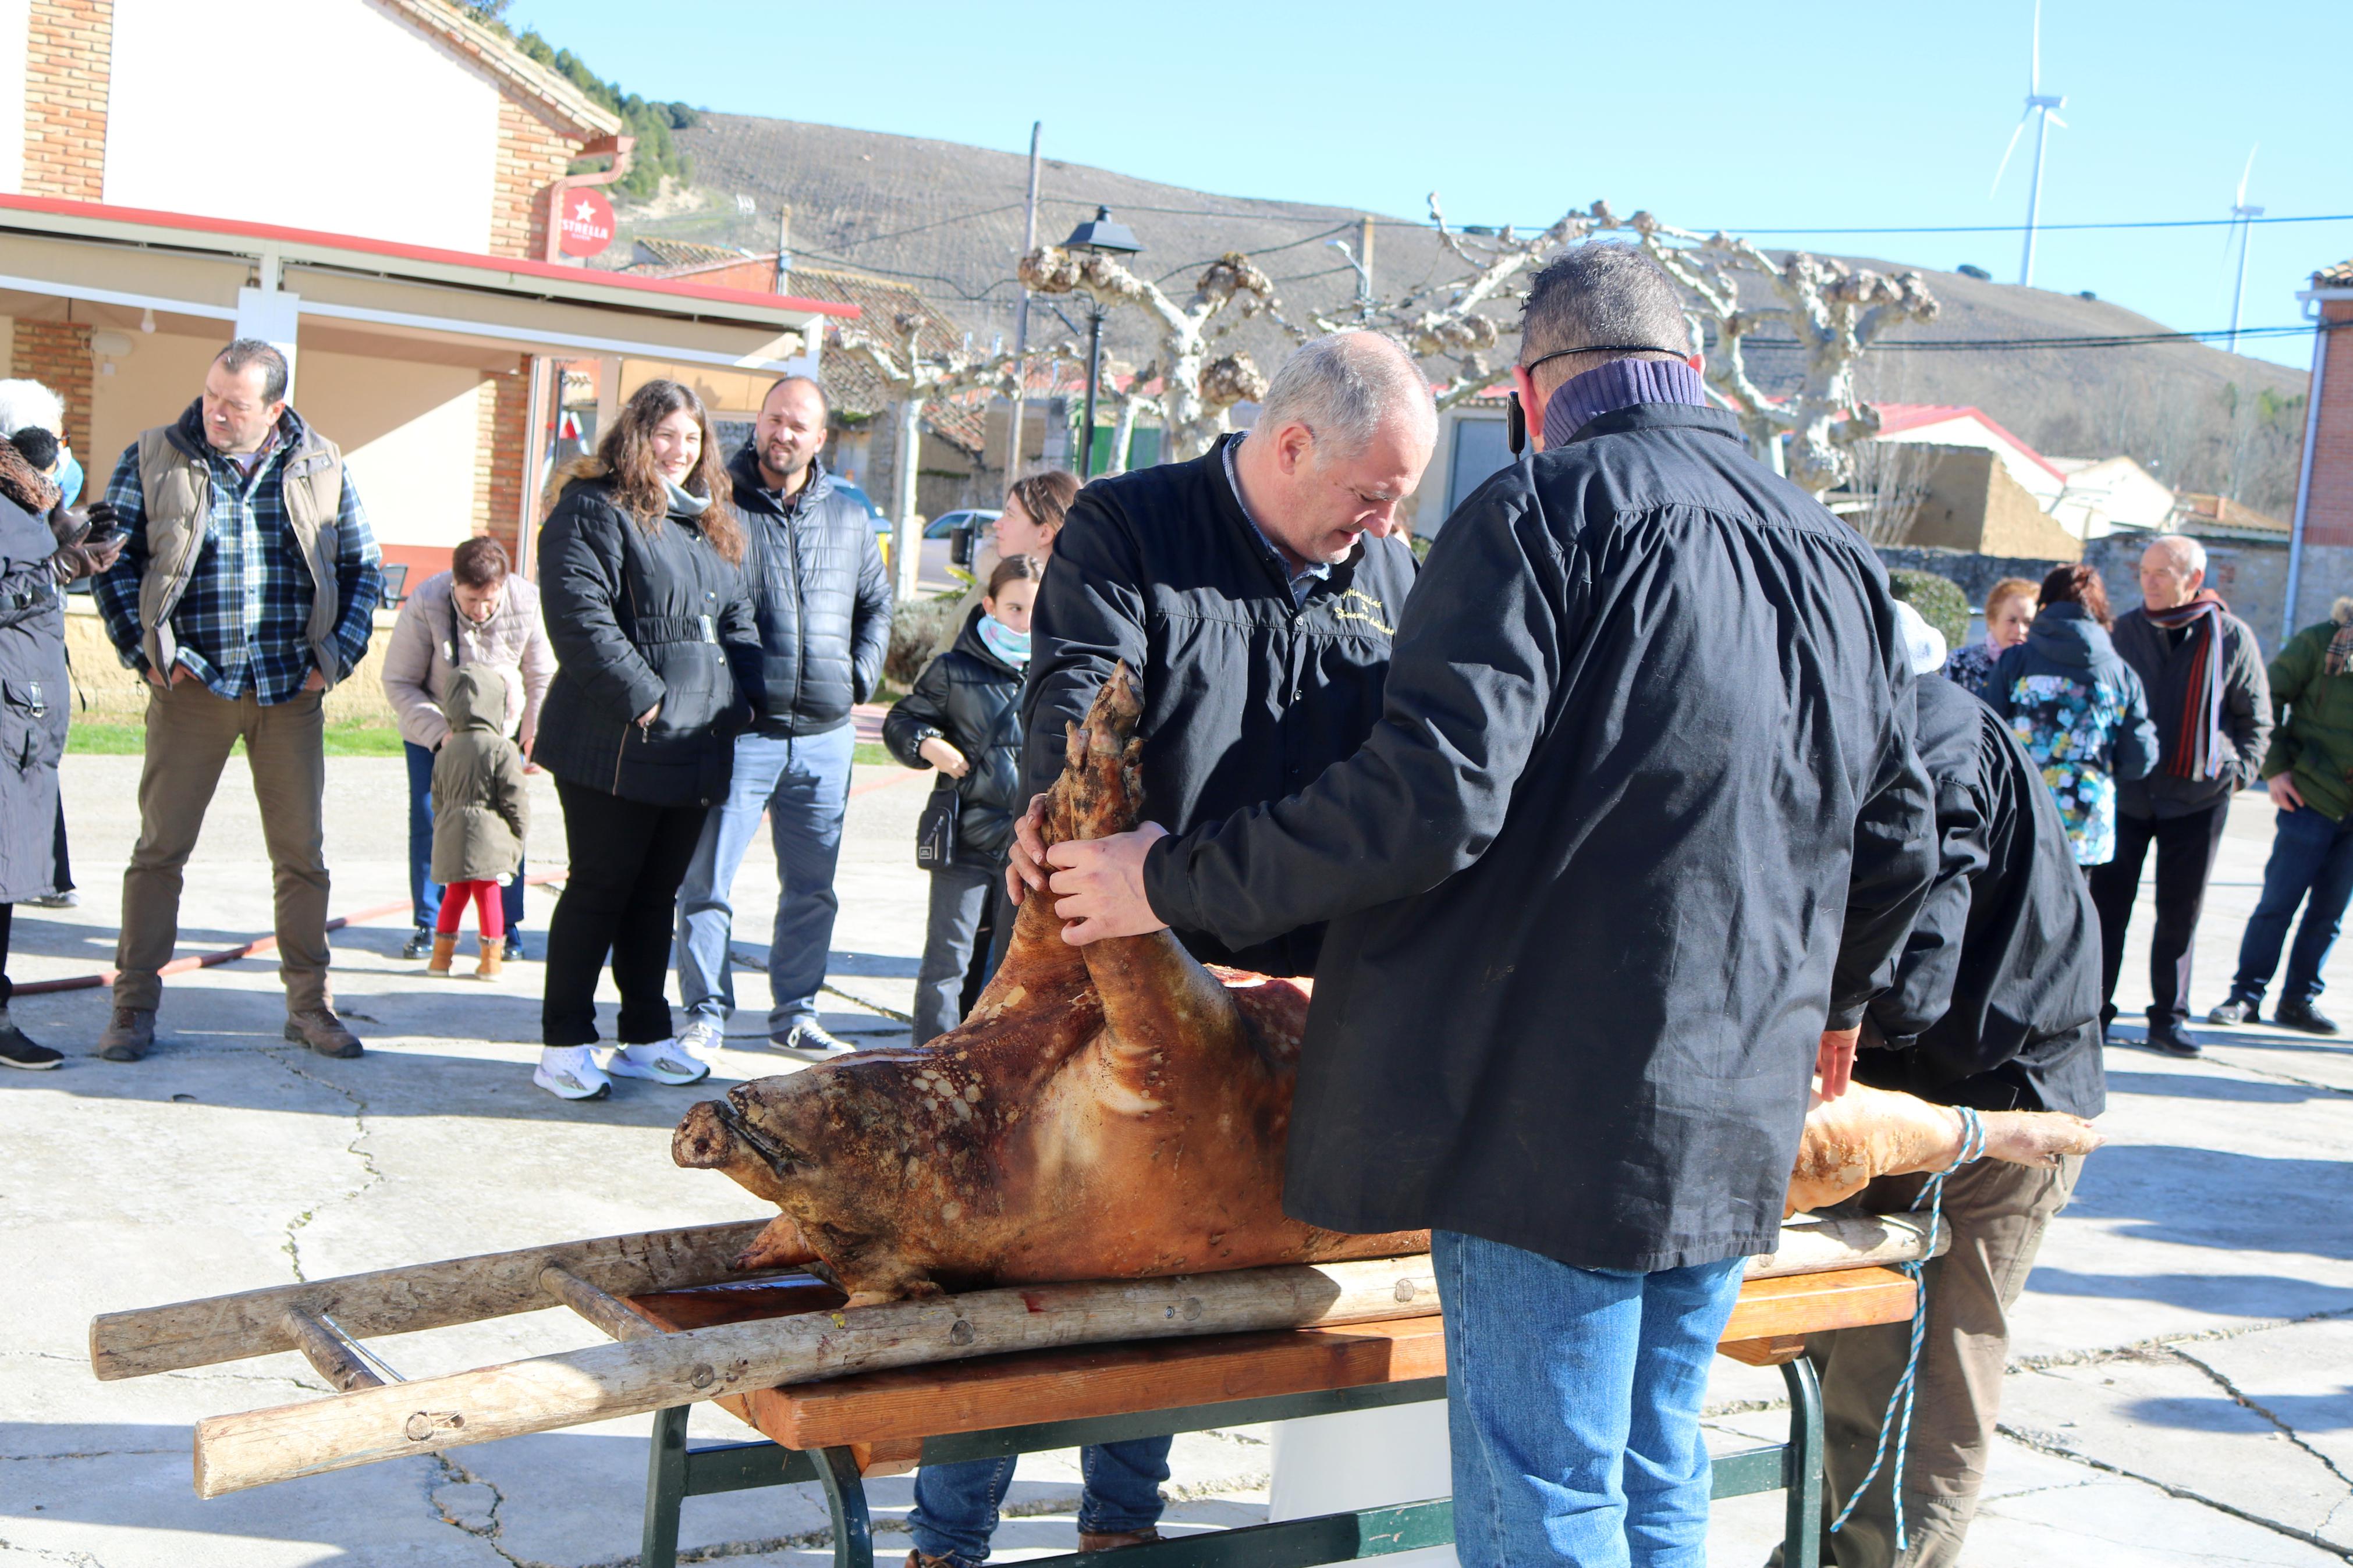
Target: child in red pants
[(480, 814)]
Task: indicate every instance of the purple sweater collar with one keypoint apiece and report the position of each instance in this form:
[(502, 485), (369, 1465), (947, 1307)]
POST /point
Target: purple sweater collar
[(1619, 384)]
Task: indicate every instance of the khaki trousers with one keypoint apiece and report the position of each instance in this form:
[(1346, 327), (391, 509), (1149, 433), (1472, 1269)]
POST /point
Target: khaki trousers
[(189, 734), (1997, 1214)]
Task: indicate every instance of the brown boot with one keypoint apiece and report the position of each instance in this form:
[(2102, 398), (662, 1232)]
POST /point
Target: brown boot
[(130, 1034), (1111, 1539), (318, 1029), (445, 952), (493, 959)]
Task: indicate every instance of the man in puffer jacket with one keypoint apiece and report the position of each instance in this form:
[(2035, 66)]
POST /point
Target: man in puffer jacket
[(824, 611)]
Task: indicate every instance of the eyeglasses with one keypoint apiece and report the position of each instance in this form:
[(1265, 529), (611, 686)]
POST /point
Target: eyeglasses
[(1604, 349)]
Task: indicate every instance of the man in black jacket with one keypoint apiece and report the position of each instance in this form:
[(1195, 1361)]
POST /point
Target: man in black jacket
[(1252, 591), (824, 608), (2213, 706), (1995, 1005), (1639, 834)]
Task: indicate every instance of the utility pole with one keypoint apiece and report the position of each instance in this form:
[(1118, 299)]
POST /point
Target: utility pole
[(783, 245), (1021, 321), (1365, 261)]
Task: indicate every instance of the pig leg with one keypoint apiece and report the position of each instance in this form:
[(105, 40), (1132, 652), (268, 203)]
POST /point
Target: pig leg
[(1869, 1132)]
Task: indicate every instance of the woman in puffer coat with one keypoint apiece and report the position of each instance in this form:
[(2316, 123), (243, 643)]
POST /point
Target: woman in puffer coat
[(963, 719), (657, 667), (2077, 707)]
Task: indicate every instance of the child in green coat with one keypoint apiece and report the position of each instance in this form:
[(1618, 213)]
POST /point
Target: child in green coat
[(480, 816)]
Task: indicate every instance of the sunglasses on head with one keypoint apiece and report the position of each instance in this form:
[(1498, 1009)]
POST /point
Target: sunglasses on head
[(1515, 417)]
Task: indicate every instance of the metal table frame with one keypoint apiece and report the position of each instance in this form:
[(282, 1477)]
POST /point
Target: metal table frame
[(677, 1472)]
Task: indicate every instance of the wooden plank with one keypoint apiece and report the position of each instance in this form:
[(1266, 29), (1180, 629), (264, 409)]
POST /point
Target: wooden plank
[(607, 1313), (400, 1300), (1777, 1351), (1813, 1303), (1821, 1243), (331, 1355), (633, 1376)]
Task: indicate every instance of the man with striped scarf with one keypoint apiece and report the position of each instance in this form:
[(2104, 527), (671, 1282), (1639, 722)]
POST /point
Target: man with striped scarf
[(2212, 708)]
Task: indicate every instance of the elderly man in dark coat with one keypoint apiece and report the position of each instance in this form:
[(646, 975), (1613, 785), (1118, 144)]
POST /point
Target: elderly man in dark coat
[(1640, 833)]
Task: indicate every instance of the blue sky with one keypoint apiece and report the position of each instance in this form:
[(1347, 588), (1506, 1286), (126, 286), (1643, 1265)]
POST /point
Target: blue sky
[(1709, 115)]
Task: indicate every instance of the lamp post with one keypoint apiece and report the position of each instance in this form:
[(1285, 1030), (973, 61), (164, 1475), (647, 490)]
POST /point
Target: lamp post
[(1099, 235)]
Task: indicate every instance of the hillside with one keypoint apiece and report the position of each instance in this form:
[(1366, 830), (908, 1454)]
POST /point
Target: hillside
[(949, 218)]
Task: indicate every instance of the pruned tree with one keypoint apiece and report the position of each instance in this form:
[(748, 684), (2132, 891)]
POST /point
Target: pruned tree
[(1194, 399), (917, 379)]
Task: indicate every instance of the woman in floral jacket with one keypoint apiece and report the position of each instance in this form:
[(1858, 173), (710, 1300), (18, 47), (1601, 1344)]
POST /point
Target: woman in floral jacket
[(2077, 708)]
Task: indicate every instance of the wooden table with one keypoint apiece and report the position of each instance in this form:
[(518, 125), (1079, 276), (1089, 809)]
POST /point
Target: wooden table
[(883, 1424)]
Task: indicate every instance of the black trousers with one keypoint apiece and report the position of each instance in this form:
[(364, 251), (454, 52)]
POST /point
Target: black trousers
[(7, 918), (2186, 848), (620, 897)]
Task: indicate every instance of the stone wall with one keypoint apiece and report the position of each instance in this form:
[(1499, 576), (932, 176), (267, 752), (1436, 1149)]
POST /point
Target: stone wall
[(105, 692)]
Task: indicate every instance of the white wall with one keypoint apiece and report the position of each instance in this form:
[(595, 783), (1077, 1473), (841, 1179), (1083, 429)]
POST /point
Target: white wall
[(2039, 481), (409, 434), (15, 26), (321, 114)]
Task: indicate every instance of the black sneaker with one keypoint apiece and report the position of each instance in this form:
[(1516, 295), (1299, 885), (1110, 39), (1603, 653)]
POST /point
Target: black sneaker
[(2237, 1010), (17, 1051), (2303, 1015), (419, 945), (809, 1038), (2168, 1038), (513, 953)]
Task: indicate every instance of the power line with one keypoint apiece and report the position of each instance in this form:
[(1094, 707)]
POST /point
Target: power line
[(2081, 341)]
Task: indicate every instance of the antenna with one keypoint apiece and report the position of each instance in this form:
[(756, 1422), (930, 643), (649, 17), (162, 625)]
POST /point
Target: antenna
[(2044, 110), (2243, 214)]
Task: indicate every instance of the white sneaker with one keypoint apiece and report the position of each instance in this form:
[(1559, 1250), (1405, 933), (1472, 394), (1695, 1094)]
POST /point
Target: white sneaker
[(700, 1038), (570, 1072), (661, 1061)]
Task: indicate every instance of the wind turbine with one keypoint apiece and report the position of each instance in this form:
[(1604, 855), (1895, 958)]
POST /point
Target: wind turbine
[(2243, 214), (2047, 106)]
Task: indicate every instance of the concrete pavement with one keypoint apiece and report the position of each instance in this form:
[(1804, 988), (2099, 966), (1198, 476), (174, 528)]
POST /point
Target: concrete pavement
[(2183, 1391)]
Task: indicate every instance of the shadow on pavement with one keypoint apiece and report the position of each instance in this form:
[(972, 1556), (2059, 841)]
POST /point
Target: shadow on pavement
[(2263, 1296), (2211, 1197), (2299, 1412), (2198, 1086)]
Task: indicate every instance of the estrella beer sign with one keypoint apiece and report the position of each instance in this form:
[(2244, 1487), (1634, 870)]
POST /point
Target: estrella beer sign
[(586, 223)]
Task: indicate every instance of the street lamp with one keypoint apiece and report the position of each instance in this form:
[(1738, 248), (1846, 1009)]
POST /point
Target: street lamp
[(1102, 236)]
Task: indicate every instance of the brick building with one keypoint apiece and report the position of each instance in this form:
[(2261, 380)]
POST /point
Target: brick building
[(387, 223), (2321, 550)]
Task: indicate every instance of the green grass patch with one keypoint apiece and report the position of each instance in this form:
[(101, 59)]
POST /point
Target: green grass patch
[(349, 739), (878, 755)]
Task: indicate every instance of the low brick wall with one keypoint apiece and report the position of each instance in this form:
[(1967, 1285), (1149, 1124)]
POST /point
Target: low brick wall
[(105, 692)]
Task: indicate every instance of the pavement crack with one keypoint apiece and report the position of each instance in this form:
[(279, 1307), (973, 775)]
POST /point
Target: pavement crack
[(292, 1246), (73, 1559), (2041, 1444), (485, 1525), (2224, 1382), (2160, 1344)]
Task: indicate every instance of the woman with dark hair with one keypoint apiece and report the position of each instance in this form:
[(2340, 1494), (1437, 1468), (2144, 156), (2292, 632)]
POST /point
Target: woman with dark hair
[(1034, 508), (657, 664), (2077, 708)]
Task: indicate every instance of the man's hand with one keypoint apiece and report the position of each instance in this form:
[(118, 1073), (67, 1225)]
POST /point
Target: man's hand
[(180, 676), (1834, 1063), (942, 757), (314, 682), (1099, 884), (646, 718), (2284, 793), (1026, 864)]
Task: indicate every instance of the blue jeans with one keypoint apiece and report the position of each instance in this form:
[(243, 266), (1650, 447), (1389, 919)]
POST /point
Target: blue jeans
[(424, 892), (2310, 855), (802, 785), (955, 1505), (1573, 1406)]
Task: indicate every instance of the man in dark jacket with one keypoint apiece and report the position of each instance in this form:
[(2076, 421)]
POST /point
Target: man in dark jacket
[(1252, 591), (824, 607), (1995, 1005), (2212, 707), (1639, 834)]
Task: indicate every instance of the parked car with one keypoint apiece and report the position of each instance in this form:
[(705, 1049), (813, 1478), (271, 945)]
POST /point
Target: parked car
[(948, 523)]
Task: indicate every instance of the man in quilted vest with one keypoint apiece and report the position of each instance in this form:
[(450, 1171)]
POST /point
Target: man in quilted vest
[(247, 587)]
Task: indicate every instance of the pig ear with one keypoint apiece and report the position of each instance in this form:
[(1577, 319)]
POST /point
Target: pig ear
[(1073, 747)]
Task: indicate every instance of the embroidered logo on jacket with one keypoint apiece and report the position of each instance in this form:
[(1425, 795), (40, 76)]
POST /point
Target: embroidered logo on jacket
[(1355, 605)]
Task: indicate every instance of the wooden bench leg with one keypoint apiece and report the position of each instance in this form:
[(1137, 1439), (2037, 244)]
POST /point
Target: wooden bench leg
[(665, 1488), (845, 1496), (1802, 1467)]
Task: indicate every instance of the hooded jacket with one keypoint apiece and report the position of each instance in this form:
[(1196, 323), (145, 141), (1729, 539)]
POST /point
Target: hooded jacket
[(482, 811), (2314, 737), (971, 698), (2083, 717), (431, 641), (35, 698), (1996, 1003), (1640, 819), (822, 598), (642, 616)]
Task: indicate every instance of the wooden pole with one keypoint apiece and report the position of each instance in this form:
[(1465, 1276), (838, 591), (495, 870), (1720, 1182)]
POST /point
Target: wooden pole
[(632, 1377), (331, 1355)]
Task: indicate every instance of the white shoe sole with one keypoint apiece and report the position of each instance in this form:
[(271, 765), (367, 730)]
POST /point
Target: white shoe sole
[(564, 1088), (622, 1066), (31, 1067)]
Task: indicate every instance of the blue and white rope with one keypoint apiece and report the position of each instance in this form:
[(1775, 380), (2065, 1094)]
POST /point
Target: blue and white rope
[(1932, 1197)]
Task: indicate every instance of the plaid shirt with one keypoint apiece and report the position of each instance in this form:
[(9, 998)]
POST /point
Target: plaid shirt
[(243, 624)]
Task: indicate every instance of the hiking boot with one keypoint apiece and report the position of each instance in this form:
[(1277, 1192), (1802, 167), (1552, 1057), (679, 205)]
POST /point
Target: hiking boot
[(419, 943), (318, 1029), (2237, 1010), (512, 951), (445, 952), (493, 959), (808, 1038), (660, 1060), (2303, 1015), (2168, 1038), (1113, 1539), (130, 1034), (570, 1072), (17, 1051)]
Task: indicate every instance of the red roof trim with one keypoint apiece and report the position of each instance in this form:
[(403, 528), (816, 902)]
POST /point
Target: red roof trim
[(1894, 417), (636, 284)]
